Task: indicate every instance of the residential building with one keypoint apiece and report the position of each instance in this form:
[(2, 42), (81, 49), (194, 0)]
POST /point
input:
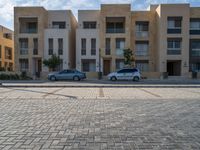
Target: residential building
[(6, 49), (165, 38), (40, 33)]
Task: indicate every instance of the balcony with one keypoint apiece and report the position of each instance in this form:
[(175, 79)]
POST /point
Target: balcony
[(174, 51), (142, 34), (141, 53), (115, 30), (195, 53), (93, 52), (28, 25), (119, 52), (194, 31)]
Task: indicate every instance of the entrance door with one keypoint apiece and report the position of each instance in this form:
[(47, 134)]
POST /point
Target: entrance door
[(106, 67), (174, 68)]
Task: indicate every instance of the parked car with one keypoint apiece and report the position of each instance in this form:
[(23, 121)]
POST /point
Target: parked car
[(125, 74), (67, 75)]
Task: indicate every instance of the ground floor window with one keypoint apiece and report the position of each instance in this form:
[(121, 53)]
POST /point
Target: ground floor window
[(23, 63), (142, 65), (119, 64), (195, 67), (89, 65)]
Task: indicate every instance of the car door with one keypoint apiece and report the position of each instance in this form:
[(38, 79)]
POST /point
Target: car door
[(63, 74), (121, 74), (129, 74), (70, 74)]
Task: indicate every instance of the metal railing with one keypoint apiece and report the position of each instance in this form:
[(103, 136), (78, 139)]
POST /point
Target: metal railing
[(174, 51), (115, 30), (142, 34), (141, 53)]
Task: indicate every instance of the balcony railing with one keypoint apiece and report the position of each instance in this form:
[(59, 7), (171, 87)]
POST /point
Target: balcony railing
[(29, 30), (175, 30), (142, 34), (60, 51), (83, 51), (175, 51), (119, 52), (35, 51), (115, 30), (23, 51), (196, 52), (141, 53), (93, 51)]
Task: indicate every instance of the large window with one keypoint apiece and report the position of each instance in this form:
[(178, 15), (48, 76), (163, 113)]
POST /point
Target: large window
[(195, 26), (174, 46), (195, 67), (83, 46), (93, 46), (23, 64), (89, 25), (7, 36), (59, 25), (35, 46), (88, 65), (142, 28), (115, 24), (174, 25), (60, 46), (50, 46), (120, 45), (142, 48), (195, 48), (23, 45), (108, 48), (119, 64), (8, 53)]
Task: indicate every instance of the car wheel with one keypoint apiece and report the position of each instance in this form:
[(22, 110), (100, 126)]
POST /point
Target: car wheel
[(113, 78), (53, 78), (136, 78), (76, 78)]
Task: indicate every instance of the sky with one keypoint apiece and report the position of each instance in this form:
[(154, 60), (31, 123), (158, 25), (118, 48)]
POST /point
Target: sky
[(6, 6)]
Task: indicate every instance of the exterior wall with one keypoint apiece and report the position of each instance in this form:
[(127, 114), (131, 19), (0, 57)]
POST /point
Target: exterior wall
[(117, 10), (4, 42), (88, 34), (170, 10), (41, 15), (45, 31)]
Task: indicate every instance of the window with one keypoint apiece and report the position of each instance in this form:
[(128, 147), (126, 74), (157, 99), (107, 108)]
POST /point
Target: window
[(60, 46), (59, 25), (120, 45), (7, 36), (8, 53), (83, 46), (35, 46), (23, 64), (195, 67), (115, 24), (89, 25), (93, 46), (174, 46), (142, 65), (195, 48), (142, 48), (107, 46), (89, 65), (50, 46), (195, 26), (119, 64), (28, 25), (174, 25), (23, 44)]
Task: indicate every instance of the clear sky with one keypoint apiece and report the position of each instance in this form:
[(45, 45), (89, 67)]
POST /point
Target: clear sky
[(6, 6)]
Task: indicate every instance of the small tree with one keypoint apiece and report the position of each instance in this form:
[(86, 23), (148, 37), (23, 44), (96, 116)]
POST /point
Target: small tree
[(52, 62), (129, 59)]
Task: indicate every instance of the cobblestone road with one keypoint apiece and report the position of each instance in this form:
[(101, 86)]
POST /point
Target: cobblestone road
[(99, 118)]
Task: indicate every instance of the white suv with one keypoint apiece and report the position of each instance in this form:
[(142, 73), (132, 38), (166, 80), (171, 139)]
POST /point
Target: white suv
[(125, 74)]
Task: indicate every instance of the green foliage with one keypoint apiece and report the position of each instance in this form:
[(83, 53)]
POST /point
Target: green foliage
[(5, 76), (129, 57), (52, 62), (23, 76)]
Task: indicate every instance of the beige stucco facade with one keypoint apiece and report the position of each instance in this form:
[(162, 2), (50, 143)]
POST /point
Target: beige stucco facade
[(6, 49), (160, 37), (37, 25)]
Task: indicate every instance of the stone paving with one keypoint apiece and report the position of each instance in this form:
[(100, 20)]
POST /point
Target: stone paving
[(99, 118)]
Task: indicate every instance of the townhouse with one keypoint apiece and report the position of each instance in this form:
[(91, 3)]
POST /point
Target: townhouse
[(165, 38), (6, 49), (40, 33)]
